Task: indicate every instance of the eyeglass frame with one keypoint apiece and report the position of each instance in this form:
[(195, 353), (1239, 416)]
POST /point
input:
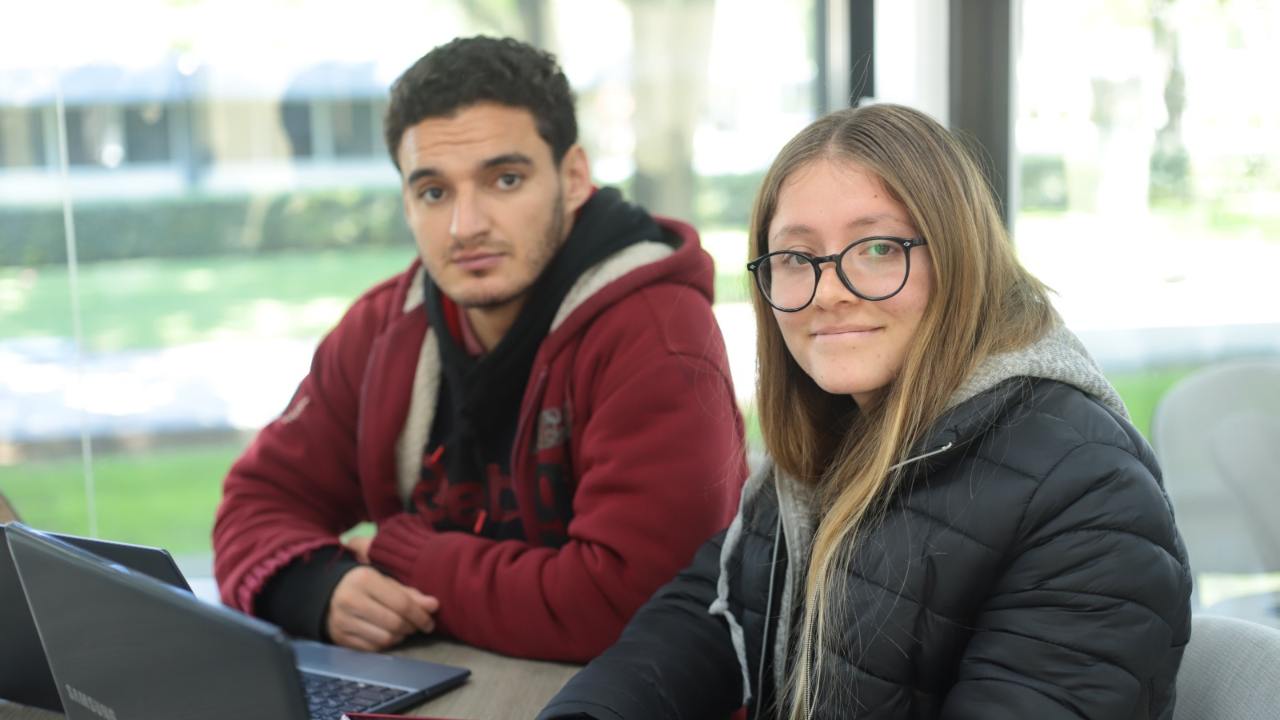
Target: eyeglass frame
[(816, 263)]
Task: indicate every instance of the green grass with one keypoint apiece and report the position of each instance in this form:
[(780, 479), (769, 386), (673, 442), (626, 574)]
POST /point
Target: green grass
[(167, 496), (161, 497), (146, 303), (1142, 390)]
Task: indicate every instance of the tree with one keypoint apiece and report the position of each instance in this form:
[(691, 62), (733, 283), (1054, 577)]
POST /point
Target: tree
[(671, 49), (1170, 164), (671, 41)]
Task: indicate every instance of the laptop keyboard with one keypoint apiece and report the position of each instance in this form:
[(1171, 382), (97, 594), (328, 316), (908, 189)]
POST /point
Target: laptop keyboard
[(329, 697)]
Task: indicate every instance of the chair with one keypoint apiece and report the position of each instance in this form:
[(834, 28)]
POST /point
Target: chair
[(1230, 671), (7, 513), (1217, 437)]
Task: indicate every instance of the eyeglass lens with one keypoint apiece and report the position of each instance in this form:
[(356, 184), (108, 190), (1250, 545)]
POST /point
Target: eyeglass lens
[(876, 267)]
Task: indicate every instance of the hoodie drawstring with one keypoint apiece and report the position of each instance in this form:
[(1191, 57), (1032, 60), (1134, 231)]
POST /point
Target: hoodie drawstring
[(768, 610)]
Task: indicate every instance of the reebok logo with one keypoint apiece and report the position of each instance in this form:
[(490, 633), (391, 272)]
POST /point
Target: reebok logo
[(94, 706)]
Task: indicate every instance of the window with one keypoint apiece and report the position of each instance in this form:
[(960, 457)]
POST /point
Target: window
[(1149, 196), (215, 242), (147, 133), (295, 117), (354, 129), (1149, 178), (22, 140), (94, 136)]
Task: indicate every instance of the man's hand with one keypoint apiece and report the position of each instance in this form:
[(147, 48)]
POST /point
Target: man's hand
[(370, 611)]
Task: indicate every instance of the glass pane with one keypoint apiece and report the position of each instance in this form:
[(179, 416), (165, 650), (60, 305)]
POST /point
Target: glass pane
[(1150, 183), (231, 199), (42, 469)]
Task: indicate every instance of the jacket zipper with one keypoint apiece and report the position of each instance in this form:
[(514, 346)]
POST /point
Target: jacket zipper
[(810, 656), (921, 456)]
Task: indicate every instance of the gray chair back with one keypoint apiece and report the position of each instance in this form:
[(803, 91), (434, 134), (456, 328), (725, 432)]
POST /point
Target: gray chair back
[(1230, 671), (1217, 437)]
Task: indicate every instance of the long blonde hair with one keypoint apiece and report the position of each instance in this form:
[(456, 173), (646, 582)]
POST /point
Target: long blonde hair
[(982, 302)]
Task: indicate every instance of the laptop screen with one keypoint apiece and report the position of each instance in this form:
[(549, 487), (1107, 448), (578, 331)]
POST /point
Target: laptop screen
[(143, 649), (117, 638), (24, 674)]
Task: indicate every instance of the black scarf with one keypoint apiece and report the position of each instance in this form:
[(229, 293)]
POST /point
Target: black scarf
[(484, 393)]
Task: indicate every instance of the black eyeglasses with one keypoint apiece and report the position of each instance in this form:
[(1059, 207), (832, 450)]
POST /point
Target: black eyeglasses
[(873, 268)]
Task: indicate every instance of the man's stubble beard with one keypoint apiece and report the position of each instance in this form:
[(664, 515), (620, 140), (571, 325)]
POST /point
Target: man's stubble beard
[(541, 257)]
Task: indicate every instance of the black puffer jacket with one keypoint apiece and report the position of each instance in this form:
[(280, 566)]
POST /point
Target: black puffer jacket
[(1028, 567)]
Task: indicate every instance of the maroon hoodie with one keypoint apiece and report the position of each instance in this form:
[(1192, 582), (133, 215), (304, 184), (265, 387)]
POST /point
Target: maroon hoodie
[(629, 442)]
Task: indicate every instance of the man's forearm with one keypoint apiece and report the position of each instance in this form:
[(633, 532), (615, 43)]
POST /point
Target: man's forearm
[(297, 597)]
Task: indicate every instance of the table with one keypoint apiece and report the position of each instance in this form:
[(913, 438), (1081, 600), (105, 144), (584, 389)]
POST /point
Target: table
[(499, 686)]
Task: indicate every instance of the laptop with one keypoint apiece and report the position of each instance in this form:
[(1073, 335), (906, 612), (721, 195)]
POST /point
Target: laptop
[(24, 673), (123, 645)]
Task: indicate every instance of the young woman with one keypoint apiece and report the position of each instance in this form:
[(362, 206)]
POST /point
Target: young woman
[(958, 520)]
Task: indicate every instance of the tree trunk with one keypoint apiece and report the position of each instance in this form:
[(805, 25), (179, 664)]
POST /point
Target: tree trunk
[(671, 50)]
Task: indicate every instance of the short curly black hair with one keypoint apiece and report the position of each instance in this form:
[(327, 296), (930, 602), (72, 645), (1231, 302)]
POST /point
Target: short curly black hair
[(466, 71)]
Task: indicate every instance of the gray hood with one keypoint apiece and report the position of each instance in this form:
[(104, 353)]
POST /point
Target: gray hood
[(1058, 355)]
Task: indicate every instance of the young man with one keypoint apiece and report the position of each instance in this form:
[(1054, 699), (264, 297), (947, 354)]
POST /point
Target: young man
[(537, 414)]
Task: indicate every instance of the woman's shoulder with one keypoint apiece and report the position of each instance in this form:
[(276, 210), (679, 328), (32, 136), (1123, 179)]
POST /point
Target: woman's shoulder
[(1045, 423), (1077, 463), (1055, 454)]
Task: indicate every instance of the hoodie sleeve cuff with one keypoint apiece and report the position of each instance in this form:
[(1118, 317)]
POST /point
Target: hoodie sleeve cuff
[(297, 597), (398, 545)]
